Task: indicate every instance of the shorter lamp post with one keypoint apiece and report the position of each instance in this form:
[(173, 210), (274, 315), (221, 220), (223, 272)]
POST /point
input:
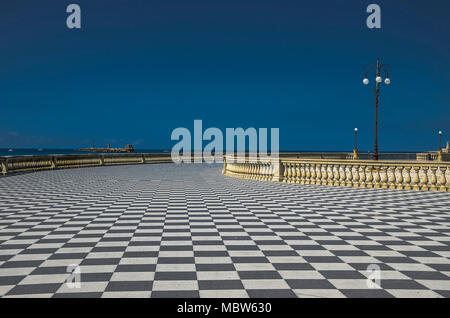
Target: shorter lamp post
[(440, 146), (355, 150)]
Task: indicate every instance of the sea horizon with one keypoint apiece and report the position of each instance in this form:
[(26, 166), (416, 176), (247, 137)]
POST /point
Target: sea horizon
[(12, 152)]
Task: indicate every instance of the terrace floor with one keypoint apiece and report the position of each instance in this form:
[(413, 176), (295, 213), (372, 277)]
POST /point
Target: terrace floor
[(166, 230)]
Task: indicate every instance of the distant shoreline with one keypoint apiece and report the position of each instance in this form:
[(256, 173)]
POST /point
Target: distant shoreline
[(62, 151)]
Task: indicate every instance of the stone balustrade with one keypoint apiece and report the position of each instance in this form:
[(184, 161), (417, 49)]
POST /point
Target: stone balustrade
[(20, 164), (261, 169), (433, 156), (385, 174), (408, 175)]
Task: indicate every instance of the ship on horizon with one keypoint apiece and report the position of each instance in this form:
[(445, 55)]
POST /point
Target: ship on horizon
[(127, 148)]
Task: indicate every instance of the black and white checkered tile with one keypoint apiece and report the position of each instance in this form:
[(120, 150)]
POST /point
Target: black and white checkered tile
[(170, 230)]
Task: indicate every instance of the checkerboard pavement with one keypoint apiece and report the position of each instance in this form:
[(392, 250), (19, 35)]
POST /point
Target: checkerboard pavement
[(167, 230)]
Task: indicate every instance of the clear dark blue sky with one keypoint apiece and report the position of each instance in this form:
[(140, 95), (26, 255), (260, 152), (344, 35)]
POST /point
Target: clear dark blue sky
[(140, 68)]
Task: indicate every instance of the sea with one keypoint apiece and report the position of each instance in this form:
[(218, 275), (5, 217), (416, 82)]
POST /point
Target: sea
[(61, 151), (43, 151)]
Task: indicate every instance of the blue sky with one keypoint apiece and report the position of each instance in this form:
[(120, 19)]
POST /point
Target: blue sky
[(138, 69)]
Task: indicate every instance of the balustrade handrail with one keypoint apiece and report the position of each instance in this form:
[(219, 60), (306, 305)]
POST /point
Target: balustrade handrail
[(370, 162), (398, 174), (28, 163)]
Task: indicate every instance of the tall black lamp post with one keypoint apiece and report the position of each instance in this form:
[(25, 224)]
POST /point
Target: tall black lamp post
[(377, 70)]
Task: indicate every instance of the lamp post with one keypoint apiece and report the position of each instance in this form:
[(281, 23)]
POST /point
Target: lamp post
[(355, 150), (440, 146), (377, 70)]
